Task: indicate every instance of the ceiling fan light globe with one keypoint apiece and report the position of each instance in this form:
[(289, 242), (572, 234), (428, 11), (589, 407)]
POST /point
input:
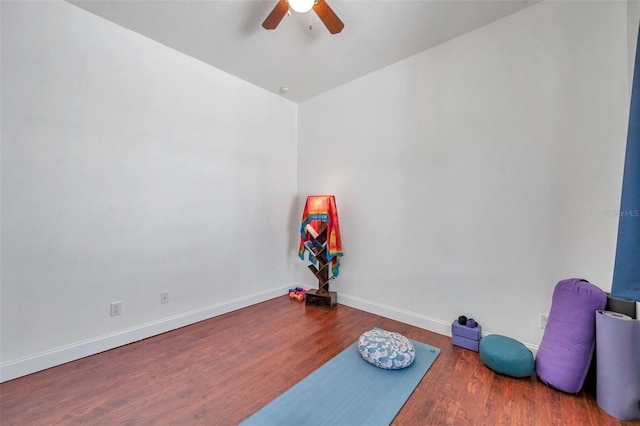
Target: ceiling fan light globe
[(301, 6)]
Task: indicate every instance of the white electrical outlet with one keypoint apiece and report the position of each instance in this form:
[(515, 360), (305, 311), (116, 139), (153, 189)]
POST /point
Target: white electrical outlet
[(543, 321), (116, 308), (164, 297)]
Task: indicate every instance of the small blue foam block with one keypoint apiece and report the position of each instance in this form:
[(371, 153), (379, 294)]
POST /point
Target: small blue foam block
[(467, 332), (465, 343)]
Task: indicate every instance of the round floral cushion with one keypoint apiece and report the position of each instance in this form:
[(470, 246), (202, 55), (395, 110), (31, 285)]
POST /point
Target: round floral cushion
[(386, 349)]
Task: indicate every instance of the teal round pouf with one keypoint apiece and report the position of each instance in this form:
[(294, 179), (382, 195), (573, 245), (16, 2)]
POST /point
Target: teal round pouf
[(507, 356)]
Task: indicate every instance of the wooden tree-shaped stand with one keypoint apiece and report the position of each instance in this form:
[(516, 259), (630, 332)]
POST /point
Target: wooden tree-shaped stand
[(322, 296)]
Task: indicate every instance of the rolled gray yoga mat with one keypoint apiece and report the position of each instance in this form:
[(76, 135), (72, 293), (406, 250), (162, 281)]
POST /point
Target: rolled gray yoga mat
[(618, 364), (621, 305)]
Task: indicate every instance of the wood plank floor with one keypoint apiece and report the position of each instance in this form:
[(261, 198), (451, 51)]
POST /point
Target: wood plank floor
[(220, 371)]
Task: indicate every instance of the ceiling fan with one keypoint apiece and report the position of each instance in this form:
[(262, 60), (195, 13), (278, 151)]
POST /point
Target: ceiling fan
[(322, 9)]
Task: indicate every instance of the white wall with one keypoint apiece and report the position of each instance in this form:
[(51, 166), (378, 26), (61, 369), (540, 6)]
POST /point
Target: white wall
[(129, 169), (474, 176), (469, 178)]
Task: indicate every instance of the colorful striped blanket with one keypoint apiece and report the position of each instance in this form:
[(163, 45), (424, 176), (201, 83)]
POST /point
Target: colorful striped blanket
[(319, 209)]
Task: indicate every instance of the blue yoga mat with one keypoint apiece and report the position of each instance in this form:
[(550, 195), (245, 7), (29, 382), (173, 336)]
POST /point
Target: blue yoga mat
[(347, 390), (626, 274)]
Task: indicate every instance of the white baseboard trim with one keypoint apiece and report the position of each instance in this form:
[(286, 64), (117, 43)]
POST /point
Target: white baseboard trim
[(387, 311), (63, 354), (30, 364), (417, 320)]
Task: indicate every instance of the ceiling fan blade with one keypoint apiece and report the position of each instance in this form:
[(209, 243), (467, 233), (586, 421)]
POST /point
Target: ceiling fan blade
[(276, 15), (328, 17)]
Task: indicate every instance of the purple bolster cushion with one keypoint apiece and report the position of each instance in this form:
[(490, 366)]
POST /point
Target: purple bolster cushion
[(569, 338)]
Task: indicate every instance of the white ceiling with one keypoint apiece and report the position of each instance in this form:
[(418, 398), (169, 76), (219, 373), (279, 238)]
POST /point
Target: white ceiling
[(228, 35)]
